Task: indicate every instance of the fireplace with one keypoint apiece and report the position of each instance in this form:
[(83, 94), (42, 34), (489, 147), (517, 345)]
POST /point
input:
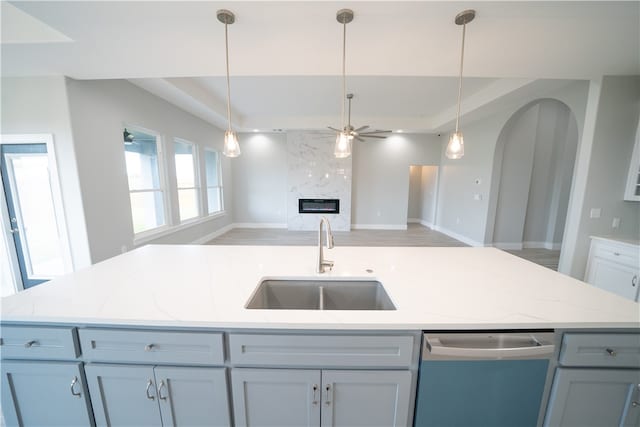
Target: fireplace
[(319, 206)]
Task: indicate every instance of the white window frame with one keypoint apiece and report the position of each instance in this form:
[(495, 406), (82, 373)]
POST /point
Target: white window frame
[(152, 232), (197, 181), (206, 185), (56, 194)]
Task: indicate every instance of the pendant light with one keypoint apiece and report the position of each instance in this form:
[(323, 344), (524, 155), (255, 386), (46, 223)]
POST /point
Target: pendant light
[(231, 146), (344, 138), (455, 147)]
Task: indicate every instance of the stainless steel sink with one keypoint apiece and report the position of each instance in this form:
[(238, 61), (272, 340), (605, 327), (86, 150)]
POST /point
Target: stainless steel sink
[(310, 294)]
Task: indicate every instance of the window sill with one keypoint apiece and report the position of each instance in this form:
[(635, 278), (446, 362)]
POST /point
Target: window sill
[(165, 230)]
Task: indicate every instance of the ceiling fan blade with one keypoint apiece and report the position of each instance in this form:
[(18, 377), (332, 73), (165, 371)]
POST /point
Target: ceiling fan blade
[(337, 130), (376, 131), (361, 128), (373, 136), (359, 138)]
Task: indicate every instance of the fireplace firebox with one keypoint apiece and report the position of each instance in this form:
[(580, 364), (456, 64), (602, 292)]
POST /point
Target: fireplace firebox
[(319, 206)]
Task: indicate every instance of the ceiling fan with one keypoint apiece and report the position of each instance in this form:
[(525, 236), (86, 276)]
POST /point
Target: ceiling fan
[(361, 132)]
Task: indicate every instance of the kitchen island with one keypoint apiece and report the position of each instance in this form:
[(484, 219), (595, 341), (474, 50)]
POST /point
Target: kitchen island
[(149, 334)]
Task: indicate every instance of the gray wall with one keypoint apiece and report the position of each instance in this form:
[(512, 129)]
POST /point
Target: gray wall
[(381, 177), (260, 179), (40, 105), (99, 110), (459, 213), (614, 135)]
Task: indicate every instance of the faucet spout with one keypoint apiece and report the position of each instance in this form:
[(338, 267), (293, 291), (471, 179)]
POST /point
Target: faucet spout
[(323, 263)]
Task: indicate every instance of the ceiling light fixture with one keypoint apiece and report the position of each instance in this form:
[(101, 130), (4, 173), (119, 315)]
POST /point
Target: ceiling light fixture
[(343, 139), (231, 146), (455, 147)]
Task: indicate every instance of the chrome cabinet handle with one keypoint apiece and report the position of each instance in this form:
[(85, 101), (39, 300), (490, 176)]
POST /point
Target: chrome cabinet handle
[(634, 281), (149, 384), (30, 344), (73, 383), (635, 404), (611, 352), (327, 390), (14, 231), (160, 396), (149, 347), (315, 391)]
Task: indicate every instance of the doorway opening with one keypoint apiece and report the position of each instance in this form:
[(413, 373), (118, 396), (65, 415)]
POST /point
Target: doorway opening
[(423, 195), (35, 247)]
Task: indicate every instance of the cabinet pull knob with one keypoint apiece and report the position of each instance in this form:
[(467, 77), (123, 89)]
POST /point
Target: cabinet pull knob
[(160, 396), (315, 392), (73, 383), (611, 352), (635, 404), (616, 253), (327, 390), (30, 344), (149, 347), (149, 396)]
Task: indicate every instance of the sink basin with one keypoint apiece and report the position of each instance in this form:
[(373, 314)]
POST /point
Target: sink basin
[(310, 294)]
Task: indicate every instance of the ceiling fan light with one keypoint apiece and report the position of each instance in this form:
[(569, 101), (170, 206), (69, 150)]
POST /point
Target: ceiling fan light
[(231, 145), (455, 147), (343, 145)]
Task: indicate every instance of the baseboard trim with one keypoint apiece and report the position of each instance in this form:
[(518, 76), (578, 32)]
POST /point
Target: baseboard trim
[(414, 221), (542, 245), (508, 246), (259, 225), (457, 236), (427, 224), (378, 226), (219, 232)]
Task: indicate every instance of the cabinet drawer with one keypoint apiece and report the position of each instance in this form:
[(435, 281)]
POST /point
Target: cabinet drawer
[(619, 254), (111, 345), (601, 350), (320, 350), (36, 342)]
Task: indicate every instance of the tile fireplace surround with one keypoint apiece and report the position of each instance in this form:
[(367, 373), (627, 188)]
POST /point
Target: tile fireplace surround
[(315, 173)]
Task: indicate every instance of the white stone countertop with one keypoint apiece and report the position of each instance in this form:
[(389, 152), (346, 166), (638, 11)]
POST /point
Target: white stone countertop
[(432, 288)]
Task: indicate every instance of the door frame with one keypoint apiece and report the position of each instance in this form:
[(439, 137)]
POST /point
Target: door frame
[(56, 195)]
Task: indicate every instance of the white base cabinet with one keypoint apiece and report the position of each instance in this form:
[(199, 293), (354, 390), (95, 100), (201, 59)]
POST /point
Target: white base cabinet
[(614, 266), (44, 394), (327, 398), (158, 395)]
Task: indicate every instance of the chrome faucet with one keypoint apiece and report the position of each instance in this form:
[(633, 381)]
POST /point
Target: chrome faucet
[(323, 263)]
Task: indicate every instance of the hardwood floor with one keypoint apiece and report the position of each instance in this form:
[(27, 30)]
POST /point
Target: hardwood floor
[(414, 235)]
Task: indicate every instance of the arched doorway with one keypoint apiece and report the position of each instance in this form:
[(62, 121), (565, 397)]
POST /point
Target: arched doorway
[(532, 174)]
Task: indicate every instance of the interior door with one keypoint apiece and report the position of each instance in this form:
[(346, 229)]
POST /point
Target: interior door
[(32, 216)]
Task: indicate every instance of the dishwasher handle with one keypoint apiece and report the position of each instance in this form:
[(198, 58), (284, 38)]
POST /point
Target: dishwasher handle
[(435, 347)]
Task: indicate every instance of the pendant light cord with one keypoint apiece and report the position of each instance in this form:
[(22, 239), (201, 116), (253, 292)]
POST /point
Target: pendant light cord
[(344, 57), (226, 45), (464, 28)]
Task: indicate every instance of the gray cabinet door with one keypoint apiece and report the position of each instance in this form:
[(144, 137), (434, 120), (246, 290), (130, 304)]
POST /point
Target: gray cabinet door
[(365, 398), (123, 395), (276, 397), (594, 397), (41, 394), (192, 396)]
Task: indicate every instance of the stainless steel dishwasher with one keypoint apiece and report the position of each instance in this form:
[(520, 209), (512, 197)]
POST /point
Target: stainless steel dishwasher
[(491, 379)]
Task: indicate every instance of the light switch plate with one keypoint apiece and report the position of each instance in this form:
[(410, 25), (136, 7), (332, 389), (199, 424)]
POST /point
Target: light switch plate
[(595, 213)]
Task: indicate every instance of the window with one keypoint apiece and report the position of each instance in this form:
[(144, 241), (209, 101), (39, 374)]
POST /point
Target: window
[(214, 182), (188, 190), (145, 184)]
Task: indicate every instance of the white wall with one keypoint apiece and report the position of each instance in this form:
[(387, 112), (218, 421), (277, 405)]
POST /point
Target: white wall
[(99, 111), (614, 131), (458, 213), (40, 105), (381, 177), (260, 180)]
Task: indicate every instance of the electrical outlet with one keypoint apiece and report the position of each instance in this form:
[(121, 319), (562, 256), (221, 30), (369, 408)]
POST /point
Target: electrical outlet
[(615, 223), (595, 213)]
